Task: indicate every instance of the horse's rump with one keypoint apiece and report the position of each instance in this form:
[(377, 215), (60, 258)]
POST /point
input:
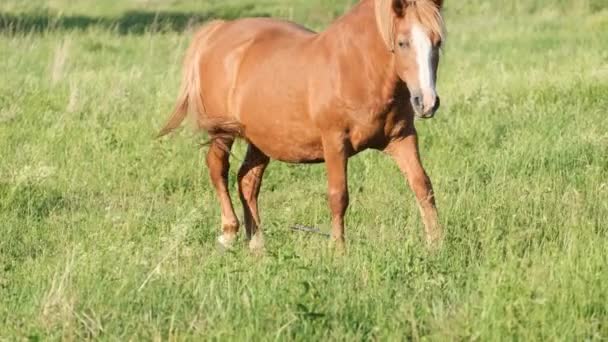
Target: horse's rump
[(190, 98)]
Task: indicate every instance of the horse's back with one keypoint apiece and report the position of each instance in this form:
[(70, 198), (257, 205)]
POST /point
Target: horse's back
[(234, 33), (267, 26), (240, 47)]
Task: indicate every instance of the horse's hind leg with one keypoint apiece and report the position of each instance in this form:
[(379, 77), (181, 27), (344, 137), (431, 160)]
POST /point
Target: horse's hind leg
[(250, 181), (218, 164), (405, 153)]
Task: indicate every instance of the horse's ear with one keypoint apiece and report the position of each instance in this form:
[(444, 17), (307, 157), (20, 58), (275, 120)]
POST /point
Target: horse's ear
[(386, 11), (398, 8), (439, 3)]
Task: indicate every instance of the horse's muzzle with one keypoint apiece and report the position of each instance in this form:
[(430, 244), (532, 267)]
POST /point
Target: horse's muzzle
[(419, 110)]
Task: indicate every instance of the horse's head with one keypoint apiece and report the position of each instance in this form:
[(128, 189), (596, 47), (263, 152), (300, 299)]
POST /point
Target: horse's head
[(413, 31)]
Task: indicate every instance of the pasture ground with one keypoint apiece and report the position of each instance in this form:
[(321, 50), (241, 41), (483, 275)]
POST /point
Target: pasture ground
[(108, 234)]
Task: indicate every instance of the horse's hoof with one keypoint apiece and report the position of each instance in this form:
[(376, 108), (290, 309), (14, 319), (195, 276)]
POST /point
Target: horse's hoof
[(434, 243), (338, 245), (226, 241), (256, 244)]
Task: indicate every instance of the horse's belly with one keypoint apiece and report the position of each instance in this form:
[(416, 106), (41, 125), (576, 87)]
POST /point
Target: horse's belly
[(293, 142)]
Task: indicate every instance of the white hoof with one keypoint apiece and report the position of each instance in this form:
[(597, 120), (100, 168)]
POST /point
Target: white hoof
[(257, 242), (226, 241)]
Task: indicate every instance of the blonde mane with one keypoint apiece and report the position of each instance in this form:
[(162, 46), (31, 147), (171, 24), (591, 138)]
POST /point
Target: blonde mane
[(425, 12), (428, 14)]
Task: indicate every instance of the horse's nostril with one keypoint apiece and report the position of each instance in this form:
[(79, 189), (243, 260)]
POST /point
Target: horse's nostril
[(417, 101)]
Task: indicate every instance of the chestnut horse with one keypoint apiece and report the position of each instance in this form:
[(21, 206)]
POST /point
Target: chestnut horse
[(304, 97)]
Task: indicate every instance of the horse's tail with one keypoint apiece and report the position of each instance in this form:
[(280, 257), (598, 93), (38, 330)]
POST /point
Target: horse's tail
[(190, 97)]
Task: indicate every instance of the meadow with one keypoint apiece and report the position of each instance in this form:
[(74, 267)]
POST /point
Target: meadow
[(109, 234)]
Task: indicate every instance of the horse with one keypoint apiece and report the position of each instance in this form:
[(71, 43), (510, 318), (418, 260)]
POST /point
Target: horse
[(298, 96)]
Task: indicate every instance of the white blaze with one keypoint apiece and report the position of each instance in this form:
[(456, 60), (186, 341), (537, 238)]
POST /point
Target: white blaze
[(423, 48)]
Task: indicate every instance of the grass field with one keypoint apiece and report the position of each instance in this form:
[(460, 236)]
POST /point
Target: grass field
[(106, 233)]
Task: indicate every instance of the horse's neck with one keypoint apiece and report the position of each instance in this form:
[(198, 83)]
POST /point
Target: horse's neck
[(365, 51)]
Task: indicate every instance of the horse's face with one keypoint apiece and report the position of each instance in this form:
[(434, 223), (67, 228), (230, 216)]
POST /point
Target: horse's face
[(417, 60), (416, 50)]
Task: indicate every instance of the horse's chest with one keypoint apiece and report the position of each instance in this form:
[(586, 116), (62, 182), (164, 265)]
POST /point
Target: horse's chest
[(374, 130), (365, 132)]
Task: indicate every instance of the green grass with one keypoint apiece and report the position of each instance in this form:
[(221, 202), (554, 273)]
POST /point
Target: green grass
[(108, 234)]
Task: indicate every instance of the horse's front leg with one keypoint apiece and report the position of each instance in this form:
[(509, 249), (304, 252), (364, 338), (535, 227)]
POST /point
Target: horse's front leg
[(336, 160), (405, 153)]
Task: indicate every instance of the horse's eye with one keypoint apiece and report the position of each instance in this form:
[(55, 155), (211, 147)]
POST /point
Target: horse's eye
[(404, 44)]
